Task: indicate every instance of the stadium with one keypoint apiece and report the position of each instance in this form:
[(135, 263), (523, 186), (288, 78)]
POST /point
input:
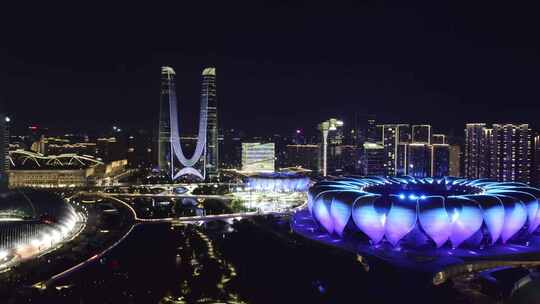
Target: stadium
[(426, 213), (278, 182), (32, 222)]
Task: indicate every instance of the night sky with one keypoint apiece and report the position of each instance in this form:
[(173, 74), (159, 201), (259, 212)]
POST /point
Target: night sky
[(280, 67)]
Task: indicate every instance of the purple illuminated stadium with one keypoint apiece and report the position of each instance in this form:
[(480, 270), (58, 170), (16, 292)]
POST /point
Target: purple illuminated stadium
[(426, 213)]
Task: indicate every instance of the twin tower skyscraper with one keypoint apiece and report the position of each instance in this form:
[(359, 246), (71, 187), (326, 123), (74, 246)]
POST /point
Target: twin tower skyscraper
[(204, 162)]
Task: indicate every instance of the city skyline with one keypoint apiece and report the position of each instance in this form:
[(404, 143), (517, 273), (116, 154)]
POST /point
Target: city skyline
[(270, 152)]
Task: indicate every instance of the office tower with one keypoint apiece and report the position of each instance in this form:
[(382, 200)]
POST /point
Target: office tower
[(305, 156), (401, 158), (421, 134), (363, 129), (170, 151), (389, 141), (455, 161), (440, 160), (477, 150), (535, 169), (258, 157), (392, 136), (4, 147), (438, 139), (419, 160), (373, 159), (404, 133), (212, 144), (371, 132), (232, 148), (168, 90), (111, 148), (511, 152), (140, 150), (378, 134)]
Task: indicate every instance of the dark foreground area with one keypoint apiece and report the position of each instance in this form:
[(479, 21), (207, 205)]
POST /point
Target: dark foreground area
[(250, 261)]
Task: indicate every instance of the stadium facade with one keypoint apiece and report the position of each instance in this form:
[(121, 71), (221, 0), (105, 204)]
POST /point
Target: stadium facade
[(32, 222), (426, 213), (278, 182)]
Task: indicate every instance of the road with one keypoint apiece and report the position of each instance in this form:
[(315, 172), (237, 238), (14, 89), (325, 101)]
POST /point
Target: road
[(208, 196), (138, 221), (187, 219)]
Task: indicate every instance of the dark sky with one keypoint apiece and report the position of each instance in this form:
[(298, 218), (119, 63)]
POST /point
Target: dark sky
[(280, 67)]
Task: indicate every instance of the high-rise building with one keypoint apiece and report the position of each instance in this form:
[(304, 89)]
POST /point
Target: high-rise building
[(164, 129), (232, 149), (535, 168), (305, 156), (419, 160), (171, 157), (111, 148), (4, 146), (378, 134), (371, 132), (392, 136), (421, 134), (455, 161), (139, 149), (476, 152), (373, 159), (363, 129), (502, 152), (404, 133), (438, 139), (511, 152), (440, 160), (212, 143), (258, 157), (401, 158)]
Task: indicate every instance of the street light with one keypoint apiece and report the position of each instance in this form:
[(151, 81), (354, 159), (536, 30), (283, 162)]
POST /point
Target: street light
[(330, 125)]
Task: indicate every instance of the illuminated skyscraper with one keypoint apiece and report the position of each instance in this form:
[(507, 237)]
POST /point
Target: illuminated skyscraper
[(438, 139), (419, 160), (169, 148), (212, 145), (4, 146), (476, 153), (258, 157), (511, 152), (455, 161), (164, 132), (363, 129), (373, 160), (535, 167), (305, 156), (421, 134), (394, 137), (402, 152), (440, 160)]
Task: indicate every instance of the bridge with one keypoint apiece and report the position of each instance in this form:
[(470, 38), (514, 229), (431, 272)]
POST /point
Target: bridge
[(188, 219), (167, 195)]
